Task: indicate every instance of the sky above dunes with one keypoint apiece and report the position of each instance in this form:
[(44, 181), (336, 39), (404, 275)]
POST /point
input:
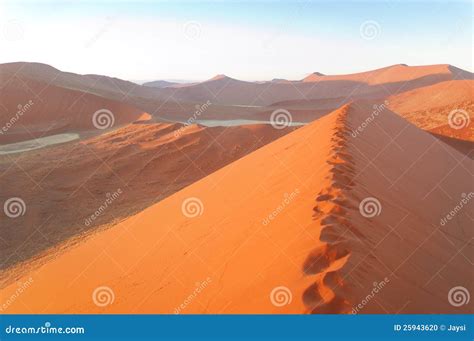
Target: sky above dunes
[(195, 40)]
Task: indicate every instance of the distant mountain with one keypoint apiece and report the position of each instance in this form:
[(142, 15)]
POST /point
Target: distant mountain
[(160, 84), (169, 100), (378, 83), (395, 73), (33, 108)]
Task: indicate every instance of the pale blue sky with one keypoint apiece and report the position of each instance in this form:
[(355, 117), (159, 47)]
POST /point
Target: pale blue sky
[(144, 40)]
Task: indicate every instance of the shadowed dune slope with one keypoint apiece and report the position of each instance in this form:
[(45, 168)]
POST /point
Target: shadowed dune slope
[(105, 86), (31, 109), (371, 84), (223, 90), (281, 231), (445, 108), (146, 162)]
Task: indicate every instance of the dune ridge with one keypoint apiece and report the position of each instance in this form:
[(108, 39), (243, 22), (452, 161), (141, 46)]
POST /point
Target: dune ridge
[(324, 262), (350, 245), (325, 251)]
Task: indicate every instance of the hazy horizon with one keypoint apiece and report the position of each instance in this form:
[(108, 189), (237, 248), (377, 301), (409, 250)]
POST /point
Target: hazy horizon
[(195, 40)]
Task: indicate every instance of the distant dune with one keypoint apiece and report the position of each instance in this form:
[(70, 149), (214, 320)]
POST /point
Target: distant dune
[(310, 223), (371, 84), (160, 84), (430, 108), (394, 74), (224, 92), (33, 108)]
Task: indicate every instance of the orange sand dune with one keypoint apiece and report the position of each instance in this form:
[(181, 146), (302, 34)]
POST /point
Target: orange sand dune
[(394, 73), (147, 162), (281, 231), (371, 84), (231, 98), (104, 86), (31, 109), (431, 107), (147, 98)]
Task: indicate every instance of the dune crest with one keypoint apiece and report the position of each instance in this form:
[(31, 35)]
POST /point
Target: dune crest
[(324, 262), (331, 218), (393, 73)]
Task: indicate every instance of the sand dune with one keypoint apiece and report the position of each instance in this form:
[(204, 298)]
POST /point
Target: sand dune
[(281, 231), (395, 73), (160, 84), (225, 91), (430, 108), (144, 98), (31, 109), (109, 87), (371, 84), (64, 185)]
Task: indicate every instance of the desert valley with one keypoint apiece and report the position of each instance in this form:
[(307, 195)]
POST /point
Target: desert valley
[(330, 194)]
